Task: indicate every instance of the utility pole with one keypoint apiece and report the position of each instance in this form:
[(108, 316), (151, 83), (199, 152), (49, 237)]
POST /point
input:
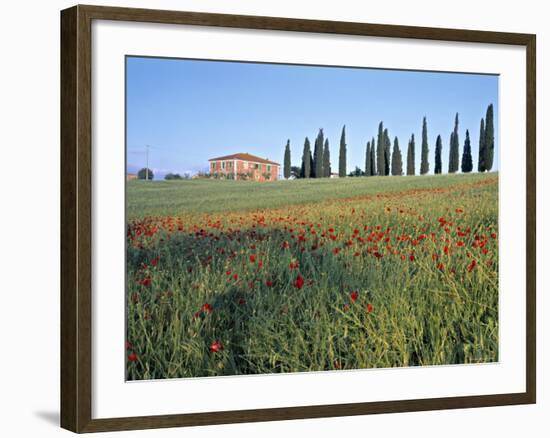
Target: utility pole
[(147, 162)]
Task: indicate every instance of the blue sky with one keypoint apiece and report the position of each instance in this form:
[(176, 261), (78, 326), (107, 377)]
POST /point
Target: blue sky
[(189, 111)]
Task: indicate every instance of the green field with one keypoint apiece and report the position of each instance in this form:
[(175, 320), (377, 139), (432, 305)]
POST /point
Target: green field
[(228, 277), (160, 198)]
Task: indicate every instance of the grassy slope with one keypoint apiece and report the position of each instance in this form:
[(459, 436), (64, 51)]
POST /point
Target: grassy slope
[(162, 198), (422, 314)]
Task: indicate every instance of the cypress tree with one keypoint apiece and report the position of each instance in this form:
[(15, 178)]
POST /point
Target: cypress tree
[(387, 152), (397, 161), (372, 158), (317, 169), (367, 160), (424, 164), (489, 138), (342, 156), (410, 157), (438, 147), (451, 142), (481, 159), (306, 160), (454, 159), (467, 164), (287, 164), (326, 160), (380, 148)]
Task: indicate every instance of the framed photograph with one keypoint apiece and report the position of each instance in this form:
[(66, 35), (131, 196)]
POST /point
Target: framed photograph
[(270, 218)]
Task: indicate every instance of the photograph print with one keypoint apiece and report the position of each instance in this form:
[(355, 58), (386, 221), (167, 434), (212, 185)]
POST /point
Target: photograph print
[(287, 218)]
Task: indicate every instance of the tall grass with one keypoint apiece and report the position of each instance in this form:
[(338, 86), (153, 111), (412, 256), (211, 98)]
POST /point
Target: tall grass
[(390, 277)]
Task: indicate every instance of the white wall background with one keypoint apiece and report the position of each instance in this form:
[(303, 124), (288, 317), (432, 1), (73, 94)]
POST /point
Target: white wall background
[(29, 216)]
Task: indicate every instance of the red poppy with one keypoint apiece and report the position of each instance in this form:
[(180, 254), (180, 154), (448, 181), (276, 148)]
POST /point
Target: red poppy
[(227, 272), (145, 281), (155, 261), (370, 308), (252, 258), (269, 283), (493, 235), (472, 265), (132, 357), (285, 245), (216, 347), (377, 255), (354, 295), (335, 251), (460, 243), (206, 307), (356, 253), (447, 250), (441, 266), (412, 258), (242, 301), (293, 265), (434, 257), (235, 277), (299, 282)]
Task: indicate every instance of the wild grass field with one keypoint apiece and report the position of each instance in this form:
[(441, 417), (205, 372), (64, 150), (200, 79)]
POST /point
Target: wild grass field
[(230, 278)]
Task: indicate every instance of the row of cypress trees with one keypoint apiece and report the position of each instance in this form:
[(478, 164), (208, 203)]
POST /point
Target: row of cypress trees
[(317, 164), (379, 155)]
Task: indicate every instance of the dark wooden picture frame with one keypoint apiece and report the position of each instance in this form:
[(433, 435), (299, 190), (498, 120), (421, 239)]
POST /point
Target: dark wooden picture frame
[(76, 217)]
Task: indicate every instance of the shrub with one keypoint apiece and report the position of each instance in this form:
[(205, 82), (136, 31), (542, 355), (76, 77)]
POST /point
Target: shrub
[(145, 173)]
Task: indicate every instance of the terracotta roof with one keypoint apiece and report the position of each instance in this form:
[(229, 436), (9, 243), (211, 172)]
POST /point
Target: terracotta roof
[(244, 157)]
